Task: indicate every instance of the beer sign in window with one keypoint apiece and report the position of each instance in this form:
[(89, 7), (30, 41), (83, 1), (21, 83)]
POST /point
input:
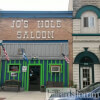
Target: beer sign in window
[(55, 68), (14, 68)]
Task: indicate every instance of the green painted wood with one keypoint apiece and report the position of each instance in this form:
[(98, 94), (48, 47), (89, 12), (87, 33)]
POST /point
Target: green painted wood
[(43, 74), (19, 69), (61, 71), (28, 77), (55, 73), (25, 77), (38, 61), (68, 73), (39, 64), (47, 72), (64, 72), (8, 70), (5, 70), (50, 71)]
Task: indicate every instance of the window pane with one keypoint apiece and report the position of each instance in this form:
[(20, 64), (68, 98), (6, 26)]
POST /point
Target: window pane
[(85, 21), (91, 21)]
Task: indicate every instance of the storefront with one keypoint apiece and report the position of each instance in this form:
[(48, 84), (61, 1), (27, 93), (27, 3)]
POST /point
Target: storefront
[(43, 37)]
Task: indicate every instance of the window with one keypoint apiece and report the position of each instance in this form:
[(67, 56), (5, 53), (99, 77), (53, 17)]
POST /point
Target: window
[(88, 21), (85, 21), (55, 68), (13, 68)]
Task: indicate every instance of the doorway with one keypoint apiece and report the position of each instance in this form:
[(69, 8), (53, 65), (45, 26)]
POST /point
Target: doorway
[(86, 76), (34, 78)]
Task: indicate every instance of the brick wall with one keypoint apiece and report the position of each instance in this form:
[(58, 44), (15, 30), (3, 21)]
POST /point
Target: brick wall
[(7, 32)]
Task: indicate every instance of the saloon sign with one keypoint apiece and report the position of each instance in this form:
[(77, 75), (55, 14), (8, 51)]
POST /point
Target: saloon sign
[(47, 27)]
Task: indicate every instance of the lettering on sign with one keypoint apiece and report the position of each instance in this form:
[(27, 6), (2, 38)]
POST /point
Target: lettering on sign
[(31, 34)]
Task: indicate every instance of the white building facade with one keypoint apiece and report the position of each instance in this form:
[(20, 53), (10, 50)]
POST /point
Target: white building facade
[(86, 42)]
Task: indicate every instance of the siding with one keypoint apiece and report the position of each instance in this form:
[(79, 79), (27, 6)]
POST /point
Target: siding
[(45, 74), (40, 50)]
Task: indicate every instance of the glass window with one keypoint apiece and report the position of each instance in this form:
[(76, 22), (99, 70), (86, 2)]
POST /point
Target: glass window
[(88, 21), (91, 21), (85, 21), (14, 68)]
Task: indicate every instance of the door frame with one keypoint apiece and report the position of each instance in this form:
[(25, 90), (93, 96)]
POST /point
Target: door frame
[(92, 70), (29, 65), (81, 75)]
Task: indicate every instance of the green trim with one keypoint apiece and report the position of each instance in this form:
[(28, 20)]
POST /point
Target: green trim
[(85, 34), (68, 73), (41, 77), (14, 71), (23, 76), (87, 8), (5, 71), (51, 64), (86, 54), (63, 72), (41, 82), (47, 72), (43, 73), (28, 76), (9, 72), (19, 73)]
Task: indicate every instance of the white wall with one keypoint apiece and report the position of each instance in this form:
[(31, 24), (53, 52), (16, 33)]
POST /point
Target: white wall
[(97, 72), (89, 29), (92, 42), (76, 74), (78, 24)]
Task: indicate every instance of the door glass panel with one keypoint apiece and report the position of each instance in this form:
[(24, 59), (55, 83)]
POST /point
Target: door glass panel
[(86, 76)]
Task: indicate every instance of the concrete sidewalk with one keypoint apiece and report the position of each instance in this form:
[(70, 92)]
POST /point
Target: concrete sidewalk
[(30, 95)]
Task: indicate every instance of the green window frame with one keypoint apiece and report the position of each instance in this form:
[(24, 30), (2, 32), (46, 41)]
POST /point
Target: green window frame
[(50, 65), (14, 71)]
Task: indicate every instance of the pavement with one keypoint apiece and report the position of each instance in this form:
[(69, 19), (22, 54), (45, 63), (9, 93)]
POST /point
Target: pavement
[(23, 95)]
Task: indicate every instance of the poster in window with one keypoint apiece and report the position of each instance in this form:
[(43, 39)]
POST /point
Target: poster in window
[(55, 68), (14, 68)]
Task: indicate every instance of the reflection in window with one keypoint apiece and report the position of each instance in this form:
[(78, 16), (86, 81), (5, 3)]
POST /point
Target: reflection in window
[(14, 68), (88, 21)]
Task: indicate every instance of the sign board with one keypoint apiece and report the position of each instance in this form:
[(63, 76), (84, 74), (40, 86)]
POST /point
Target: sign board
[(13, 74), (24, 68), (55, 68)]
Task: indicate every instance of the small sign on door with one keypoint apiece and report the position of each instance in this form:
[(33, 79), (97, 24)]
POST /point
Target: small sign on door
[(24, 68)]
